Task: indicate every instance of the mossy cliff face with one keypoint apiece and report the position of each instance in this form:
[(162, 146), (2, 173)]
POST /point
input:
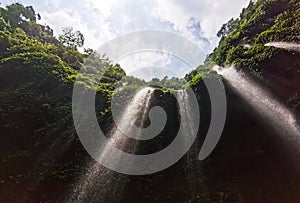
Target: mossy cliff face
[(244, 46), (243, 39), (39, 147), (252, 162), (249, 158), (169, 103), (41, 155), (281, 73)]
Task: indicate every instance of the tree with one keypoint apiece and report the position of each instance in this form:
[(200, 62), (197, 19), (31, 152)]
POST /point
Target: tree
[(88, 52), (18, 15), (3, 24), (227, 27), (25, 17), (71, 38)]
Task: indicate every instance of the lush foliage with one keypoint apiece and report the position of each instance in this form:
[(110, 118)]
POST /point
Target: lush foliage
[(71, 38), (18, 16), (261, 22), (37, 75), (243, 39)]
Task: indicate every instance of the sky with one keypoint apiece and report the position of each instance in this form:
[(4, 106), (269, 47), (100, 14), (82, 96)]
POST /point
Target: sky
[(103, 20)]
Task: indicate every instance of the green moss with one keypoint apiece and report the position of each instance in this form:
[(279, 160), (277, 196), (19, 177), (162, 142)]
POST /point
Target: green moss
[(261, 22)]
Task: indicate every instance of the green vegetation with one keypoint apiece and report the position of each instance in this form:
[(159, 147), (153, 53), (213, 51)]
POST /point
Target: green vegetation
[(167, 84), (44, 65), (243, 39), (22, 45), (37, 75), (38, 72), (17, 16), (71, 38), (261, 22)]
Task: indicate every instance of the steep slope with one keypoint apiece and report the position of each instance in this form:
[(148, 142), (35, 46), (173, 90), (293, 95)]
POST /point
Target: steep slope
[(39, 145), (253, 162), (244, 46)]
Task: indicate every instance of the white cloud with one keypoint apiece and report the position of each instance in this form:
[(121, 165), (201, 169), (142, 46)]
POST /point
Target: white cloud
[(209, 14), (88, 20), (102, 20), (145, 59), (143, 66), (164, 64)]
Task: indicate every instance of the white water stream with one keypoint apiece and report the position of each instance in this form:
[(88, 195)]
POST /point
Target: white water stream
[(270, 109)]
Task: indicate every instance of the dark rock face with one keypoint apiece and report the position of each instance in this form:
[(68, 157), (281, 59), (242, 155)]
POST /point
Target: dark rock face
[(281, 73), (251, 162), (250, 159)]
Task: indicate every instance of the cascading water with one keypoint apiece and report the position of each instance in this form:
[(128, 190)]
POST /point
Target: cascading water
[(190, 167), (274, 113), (135, 113), (285, 45), (185, 114), (101, 183)]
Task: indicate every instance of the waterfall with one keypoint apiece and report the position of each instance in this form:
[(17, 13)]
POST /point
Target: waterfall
[(285, 45), (185, 114), (192, 169), (99, 182), (271, 110), (188, 124), (134, 115)]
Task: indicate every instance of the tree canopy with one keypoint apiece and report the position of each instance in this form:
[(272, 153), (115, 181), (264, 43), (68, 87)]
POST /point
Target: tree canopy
[(71, 38)]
